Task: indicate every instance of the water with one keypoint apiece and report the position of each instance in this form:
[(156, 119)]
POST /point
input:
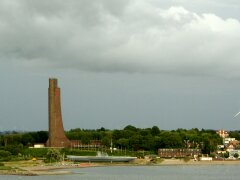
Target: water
[(188, 172)]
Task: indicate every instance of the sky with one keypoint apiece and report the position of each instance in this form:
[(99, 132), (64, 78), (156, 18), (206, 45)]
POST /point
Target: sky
[(172, 64)]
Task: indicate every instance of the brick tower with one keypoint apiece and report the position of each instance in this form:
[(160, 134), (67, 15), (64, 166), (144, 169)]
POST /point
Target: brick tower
[(56, 137)]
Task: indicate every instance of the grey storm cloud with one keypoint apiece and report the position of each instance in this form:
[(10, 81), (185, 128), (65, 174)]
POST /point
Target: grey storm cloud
[(118, 36)]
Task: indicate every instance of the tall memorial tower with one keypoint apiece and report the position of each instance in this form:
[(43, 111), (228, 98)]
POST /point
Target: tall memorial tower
[(56, 135)]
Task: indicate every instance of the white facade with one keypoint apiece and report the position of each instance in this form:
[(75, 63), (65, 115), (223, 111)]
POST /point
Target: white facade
[(206, 158), (228, 140), (38, 146)]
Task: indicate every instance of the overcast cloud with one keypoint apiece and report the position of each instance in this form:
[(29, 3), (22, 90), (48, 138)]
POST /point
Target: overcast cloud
[(125, 36), (134, 61)]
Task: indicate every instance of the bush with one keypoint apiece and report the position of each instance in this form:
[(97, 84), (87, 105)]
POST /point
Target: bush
[(5, 155), (213, 155), (236, 155), (35, 152), (1, 164), (53, 155), (226, 155), (187, 159), (14, 149)]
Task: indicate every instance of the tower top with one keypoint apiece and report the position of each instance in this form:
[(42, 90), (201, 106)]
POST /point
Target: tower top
[(53, 82), (53, 79)]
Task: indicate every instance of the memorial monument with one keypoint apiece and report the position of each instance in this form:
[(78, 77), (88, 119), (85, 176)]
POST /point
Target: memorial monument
[(56, 135)]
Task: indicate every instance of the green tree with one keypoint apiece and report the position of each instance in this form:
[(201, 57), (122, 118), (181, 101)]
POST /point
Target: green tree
[(40, 136), (53, 155), (236, 155), (135, 142), (235, 134), (147, 142), (171, 140), (157, 143), (86, 137), (106, 141), (130, 128), (117, 134), (155, 131), (226, 155), (123, 143), (27, 139), (15, 149), (5, 155)]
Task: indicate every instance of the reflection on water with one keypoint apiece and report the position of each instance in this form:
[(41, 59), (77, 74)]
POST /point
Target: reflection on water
[(199, 172)]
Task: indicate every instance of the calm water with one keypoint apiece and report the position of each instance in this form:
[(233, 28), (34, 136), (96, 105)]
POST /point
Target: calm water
[(209, 172)]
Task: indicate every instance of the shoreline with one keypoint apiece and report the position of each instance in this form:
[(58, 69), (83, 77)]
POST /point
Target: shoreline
[(192, 162), (62, 169)]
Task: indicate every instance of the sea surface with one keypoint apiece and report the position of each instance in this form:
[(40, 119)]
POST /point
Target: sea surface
[(183, 172)]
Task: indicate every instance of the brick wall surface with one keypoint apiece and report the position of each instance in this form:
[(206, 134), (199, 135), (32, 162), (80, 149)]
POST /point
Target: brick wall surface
[(57, 137)]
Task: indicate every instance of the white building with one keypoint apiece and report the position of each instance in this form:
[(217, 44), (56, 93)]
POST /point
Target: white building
[(222, 133), (228, 140)]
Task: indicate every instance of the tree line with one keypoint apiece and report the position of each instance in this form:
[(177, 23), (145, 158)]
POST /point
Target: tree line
[(129, 138), (150, 139)]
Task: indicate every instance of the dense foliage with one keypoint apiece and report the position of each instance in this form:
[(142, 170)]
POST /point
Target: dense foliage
[(235, 134), (129, 138), (5, 155), (150, 139)]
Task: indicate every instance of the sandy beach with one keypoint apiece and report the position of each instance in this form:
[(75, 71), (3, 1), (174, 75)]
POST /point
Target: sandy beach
[(39, 168), (192, 162)]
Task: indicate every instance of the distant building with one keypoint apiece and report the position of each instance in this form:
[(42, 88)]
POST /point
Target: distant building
[(228, 140), (222, 133), (231, 145), (39, 146), (179, 152), (92, 144), (206, 158)]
